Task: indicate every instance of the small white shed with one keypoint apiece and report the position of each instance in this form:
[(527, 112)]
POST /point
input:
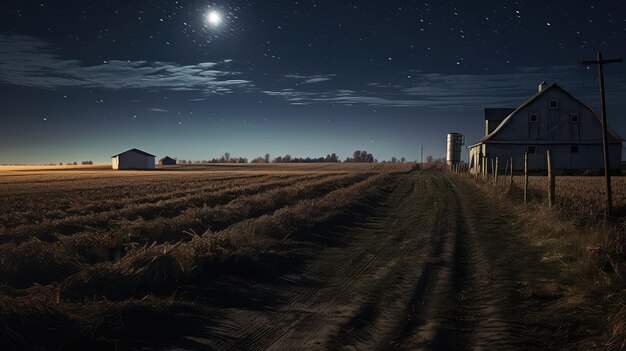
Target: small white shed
[(133, 159)]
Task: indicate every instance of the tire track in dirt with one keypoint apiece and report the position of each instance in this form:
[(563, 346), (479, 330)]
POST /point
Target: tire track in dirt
[(413, 275), (300, 308), (442, 282)]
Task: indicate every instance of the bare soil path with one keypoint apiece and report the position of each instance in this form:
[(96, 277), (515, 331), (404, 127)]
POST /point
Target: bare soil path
[(434, 266)]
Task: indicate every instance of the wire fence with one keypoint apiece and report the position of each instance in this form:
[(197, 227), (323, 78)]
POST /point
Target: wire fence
[(581, 196)]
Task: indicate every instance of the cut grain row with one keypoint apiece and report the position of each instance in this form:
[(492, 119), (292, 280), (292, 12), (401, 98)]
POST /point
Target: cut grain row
[(73, 224), (25, 209), (158, 269)]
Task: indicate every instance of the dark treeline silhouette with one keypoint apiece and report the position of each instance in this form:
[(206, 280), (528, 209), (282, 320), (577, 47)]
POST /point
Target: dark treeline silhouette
[(395, 159), (226, 158), (357, 156), (361, 156), (289, 159)]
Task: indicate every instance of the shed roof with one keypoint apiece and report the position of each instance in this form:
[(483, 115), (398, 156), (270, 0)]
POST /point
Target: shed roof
[(166, 158), (533, 98), (135, 151)]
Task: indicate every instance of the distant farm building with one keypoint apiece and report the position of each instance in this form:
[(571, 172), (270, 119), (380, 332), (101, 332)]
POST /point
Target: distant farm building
[(133, 159), (167, 161), (553, 120)]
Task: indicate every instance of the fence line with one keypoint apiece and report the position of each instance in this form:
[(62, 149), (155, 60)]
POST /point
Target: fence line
[(582, 196)]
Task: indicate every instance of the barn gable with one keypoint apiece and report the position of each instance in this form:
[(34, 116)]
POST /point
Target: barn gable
[(137, 151), (553, 114), (167, 161), (555, 120)]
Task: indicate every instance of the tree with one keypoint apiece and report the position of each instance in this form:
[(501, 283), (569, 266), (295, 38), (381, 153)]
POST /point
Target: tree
[(361, 156), (402, 159), (429, 159), (394, 159), (331, 158), (227, 156), (267, 158)]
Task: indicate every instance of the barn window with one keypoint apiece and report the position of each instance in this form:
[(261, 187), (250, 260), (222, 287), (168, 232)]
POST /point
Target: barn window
[(554, 104), (573, 149), (531, 149), (573, 118), (534, 118)]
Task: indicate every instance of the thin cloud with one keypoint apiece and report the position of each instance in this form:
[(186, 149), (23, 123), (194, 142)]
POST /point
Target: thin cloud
[(311, 79), (451, 91), (28, 61), (157, 109)]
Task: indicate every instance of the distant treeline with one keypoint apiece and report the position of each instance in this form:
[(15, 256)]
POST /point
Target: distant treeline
[(357, 156), (72, 163)]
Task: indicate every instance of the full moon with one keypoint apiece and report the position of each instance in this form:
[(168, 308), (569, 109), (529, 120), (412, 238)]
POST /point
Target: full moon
[(214, 18)]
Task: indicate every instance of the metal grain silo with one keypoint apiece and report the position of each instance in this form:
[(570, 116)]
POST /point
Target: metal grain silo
[(455, 145)]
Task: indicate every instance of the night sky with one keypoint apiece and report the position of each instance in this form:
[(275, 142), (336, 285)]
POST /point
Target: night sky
[(83, 80)]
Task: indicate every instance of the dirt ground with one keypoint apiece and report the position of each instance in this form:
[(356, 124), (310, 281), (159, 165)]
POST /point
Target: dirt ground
[(435, 265)]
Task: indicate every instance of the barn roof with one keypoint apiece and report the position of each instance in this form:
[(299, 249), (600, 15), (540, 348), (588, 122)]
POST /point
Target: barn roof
[(166, 158), (498, 114), (529, 101), (135, 151)]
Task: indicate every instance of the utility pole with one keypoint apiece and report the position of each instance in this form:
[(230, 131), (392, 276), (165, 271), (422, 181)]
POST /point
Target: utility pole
[(422, 156), (605, 142)]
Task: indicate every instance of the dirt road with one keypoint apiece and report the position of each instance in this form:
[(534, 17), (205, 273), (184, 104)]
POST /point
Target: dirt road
[(433, 266)]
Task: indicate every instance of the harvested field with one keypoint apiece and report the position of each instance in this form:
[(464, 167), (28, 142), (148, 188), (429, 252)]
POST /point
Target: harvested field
[(238, 257)]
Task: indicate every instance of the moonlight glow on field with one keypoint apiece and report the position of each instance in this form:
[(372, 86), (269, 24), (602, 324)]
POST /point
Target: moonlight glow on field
[(214, 18)]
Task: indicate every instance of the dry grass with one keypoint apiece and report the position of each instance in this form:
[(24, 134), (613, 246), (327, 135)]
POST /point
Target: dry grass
[(579, 195), (591, 255), (93, 258)]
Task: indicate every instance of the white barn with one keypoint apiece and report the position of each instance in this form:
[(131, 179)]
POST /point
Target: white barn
[(553, 120), (133, 159)]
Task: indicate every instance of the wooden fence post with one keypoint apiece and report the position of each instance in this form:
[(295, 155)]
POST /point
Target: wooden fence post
[(551, 187), (483, 172), (476, 168), (511, 183), (526, 177), (482, 166), (495, 173), (486, 169)]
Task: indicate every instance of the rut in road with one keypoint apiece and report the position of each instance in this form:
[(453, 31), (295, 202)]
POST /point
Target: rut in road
[(411, 276)]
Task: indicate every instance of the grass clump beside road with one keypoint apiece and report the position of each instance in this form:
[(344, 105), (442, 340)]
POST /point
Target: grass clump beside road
[(590, 311)]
